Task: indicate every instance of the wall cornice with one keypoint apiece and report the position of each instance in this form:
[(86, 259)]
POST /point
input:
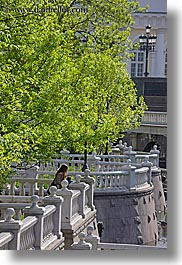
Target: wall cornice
[(156, 20)]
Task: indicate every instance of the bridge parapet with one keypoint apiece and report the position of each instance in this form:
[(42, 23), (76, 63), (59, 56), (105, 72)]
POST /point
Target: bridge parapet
[(154, 117)]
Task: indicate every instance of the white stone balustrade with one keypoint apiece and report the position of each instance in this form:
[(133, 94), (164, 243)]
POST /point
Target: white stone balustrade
[(141, 177), (82, 187), (153, 117), (156, 152), (18, 207), (32, 183), (107, 170), (44, 228), (131, 154), (148, 164), (57, 201), (11, 226), (70, 207), (82, 244), (94, 240), (96, 162), (89, 192), (5, 238), (27, 235), (123, 179), (40, 227)]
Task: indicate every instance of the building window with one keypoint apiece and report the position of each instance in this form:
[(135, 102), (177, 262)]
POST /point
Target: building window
[(140, 69), (133, 69), (137, 64), (165, 68)]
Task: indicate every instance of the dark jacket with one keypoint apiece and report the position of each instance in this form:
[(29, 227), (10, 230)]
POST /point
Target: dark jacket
[(54, 183)]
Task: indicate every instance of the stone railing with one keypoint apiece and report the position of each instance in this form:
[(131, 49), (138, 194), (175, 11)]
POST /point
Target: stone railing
[(90, 241), (39, 228), (18, 207), (5, 239), (130, 175), (27, 235), (68, 210), (153, 117), (110, 162), (129, 178)]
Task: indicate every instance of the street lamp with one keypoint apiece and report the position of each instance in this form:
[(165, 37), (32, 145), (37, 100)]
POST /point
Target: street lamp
[(147, 43)]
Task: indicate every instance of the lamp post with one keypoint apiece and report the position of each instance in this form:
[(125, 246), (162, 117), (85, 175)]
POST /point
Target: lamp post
[(147, 43)]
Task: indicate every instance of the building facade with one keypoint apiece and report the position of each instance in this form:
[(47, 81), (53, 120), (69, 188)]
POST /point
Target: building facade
[(152, 87), (156, 16)]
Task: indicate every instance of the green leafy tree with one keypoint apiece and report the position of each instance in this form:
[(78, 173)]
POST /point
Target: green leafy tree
[(63, 77)]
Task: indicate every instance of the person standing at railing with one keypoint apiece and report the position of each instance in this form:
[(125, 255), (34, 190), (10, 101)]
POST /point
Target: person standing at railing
[(60, 175)]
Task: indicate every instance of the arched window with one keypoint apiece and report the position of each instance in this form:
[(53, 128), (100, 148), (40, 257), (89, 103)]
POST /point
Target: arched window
[(137, 64)]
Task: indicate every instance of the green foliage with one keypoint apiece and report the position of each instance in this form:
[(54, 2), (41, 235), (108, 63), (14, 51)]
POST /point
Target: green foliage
[(56, 90)]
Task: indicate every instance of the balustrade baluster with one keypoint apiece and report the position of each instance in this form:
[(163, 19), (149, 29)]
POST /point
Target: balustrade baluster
[(31, 191), (3, 214), (22, 189), (101, 181), (12, 188), (18, 214), (111, 181), (41, 190)]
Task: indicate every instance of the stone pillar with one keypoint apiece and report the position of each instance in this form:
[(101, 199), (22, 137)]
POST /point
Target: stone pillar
[(92, 239), (160, 53), (31, 173), (153, 59), (53, 199), (35, 210), (148, 164), (67, 205), (157, 152), (93, 161), (77, 185), (88, 180), (12, 226), (82, 244), (132, 177), (131, 154), (120, 146)]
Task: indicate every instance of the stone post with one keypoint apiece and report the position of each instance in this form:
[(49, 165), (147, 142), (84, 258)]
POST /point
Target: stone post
[(82, 244), (157, 152), (125, 147), (64, 154), (12, 226), (148, 164), (93, 161), (132, 177), (53, 199), (131, 154), (35, 210), (67, 205), (88, 180), (92, 239), (31, 173), (77, 185), (120, 146)]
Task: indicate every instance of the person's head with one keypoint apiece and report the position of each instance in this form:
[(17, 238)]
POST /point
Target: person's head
[(62, 169)]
